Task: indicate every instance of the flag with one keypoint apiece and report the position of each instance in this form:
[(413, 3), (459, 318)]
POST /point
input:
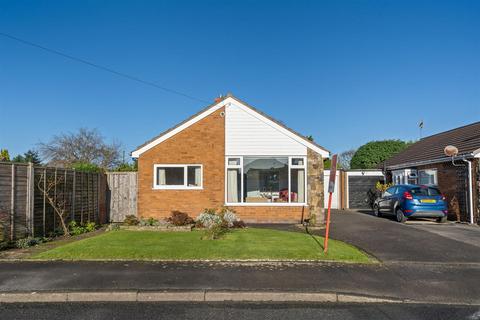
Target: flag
[(420, 125)]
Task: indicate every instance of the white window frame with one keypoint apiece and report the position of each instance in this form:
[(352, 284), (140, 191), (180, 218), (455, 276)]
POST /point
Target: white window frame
[(435, 176), (267, 204), (185, 185)]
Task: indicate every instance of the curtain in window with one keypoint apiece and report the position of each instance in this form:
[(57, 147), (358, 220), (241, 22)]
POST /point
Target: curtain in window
[(232, 183), (198, 176), (161, 177), (301, 186)]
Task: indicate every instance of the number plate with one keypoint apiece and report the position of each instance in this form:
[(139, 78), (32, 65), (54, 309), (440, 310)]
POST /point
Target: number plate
[(428, 201)]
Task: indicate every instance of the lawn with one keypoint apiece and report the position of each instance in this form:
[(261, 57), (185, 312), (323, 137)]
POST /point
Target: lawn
[(239, 244)]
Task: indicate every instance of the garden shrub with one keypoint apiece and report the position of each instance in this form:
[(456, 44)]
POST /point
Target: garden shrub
[(228, 217), (216, 224), (113, 227), (179, 218), (28, 242), (91, 226), (209, 218), (150, 222), (5, 245), (131, 220), (77, 229), (239, 224)]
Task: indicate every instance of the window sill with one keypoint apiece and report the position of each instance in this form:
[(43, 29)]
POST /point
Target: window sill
[(265, 204), (177, 188)]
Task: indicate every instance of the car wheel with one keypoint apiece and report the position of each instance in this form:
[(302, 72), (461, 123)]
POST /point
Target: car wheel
[(442, 219), (376, 211), (400, 216)]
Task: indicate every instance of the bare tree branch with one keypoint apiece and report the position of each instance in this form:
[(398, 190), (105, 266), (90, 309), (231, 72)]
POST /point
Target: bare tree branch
[(58, 203), (84, 146)]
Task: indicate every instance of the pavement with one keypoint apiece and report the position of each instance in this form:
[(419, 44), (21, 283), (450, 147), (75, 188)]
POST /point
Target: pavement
[(418, 266), (241, 311)]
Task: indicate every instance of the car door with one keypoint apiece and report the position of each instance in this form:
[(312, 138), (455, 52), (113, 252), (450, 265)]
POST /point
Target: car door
[(385, 202), (395, 198)]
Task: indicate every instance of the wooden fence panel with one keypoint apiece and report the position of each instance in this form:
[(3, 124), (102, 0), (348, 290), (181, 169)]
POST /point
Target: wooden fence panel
[(25, 211), (121, 195)]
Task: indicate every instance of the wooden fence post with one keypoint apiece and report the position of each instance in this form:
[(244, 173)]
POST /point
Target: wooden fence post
[(73, 196), (98, 198), (44, 200), (12, 204), (29, 220)]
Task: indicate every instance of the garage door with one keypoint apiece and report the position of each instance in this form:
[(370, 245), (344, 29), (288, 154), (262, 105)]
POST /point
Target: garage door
[(358, 189)]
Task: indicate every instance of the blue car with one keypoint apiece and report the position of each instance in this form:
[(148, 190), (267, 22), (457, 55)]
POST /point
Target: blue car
[(412, 201)]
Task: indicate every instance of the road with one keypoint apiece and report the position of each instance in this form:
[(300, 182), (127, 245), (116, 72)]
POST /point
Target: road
[(264, 311)]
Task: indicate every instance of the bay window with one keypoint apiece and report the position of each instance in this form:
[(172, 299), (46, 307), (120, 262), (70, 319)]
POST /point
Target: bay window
[(176, 176), (263, 180)]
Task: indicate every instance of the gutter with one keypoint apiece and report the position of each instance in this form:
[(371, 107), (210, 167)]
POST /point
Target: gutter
[(425, 162)]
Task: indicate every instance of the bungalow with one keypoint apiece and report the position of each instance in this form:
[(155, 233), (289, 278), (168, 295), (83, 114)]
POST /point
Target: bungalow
[(458, 177), (231, 154)]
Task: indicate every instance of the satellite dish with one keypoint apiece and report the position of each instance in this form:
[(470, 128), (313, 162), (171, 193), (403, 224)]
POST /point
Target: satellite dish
[(450, 151)]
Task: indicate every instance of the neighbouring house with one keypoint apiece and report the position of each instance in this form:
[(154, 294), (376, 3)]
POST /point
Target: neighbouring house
[(458, 178), (231, 154)]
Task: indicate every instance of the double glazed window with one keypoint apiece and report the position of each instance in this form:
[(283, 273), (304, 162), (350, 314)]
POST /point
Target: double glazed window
[(428, 177), (265, 179), (169, 176)]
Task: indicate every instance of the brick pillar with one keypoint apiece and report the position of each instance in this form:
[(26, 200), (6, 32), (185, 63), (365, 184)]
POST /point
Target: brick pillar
[(315, 187)]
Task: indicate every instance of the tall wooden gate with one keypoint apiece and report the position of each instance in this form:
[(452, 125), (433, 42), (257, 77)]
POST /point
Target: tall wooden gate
[(122, 195)]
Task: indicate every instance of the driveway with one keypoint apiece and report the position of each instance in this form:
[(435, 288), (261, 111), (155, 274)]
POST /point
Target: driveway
[(391, 241)]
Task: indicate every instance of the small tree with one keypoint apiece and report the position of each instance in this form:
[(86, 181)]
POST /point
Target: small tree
[(4, 155), (126, 167), (29, 156), (327, 164), (373, 153), (46, 186)]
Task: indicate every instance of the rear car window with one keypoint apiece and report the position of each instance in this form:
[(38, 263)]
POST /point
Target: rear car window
[(427, 191)]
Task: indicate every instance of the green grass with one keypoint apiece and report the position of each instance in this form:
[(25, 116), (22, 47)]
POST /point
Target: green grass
[(239, 244)]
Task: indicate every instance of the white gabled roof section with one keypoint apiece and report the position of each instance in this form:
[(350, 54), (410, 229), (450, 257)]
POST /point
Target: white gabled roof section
[(269, 136), (228, 101)]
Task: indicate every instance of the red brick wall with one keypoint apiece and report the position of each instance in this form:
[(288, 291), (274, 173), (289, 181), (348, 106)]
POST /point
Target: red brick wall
[(265, 214), (201, 143), (451, 183)]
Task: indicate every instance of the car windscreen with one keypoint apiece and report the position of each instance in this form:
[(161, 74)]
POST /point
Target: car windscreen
[(425, 191)]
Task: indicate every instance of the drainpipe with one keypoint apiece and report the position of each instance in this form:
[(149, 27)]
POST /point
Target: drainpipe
[(470, 189)]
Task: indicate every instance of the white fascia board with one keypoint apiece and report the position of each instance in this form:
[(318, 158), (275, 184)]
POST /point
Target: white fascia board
[(377, 173), (138, 152), (322, 152)]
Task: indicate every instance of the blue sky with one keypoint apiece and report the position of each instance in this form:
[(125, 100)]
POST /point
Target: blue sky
[(346, 72)]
